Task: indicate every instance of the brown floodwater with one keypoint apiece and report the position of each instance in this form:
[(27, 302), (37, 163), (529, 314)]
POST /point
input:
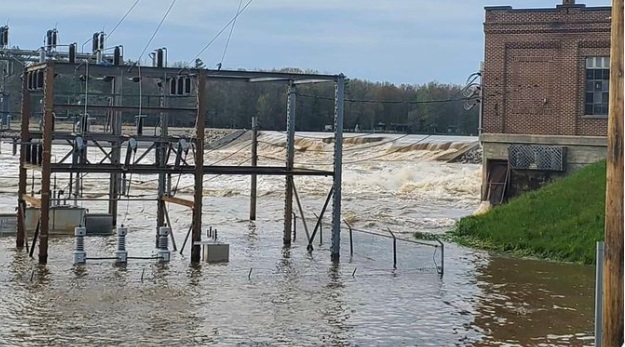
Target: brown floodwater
[(268, 295)]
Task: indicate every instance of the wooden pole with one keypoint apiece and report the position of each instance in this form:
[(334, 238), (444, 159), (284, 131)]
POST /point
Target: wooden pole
[(254, 189), (199, 167), (48, 106), (613, 257), (23, 180)]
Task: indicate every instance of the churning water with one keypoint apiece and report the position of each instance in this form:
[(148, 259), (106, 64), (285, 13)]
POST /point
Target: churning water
[(270, 296)]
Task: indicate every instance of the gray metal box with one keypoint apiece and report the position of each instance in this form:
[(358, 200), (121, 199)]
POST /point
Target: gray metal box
[(215, 252)]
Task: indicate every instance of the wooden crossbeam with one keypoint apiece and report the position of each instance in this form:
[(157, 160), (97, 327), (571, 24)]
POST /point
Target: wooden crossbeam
[(178, 201), (32, 200)]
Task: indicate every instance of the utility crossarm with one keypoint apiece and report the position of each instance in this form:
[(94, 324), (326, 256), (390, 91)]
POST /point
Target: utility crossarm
[(178, 201)]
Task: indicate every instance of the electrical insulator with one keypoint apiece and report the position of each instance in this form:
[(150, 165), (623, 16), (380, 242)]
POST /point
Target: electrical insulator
[(94, 42), (117, 56), (51, 39), (72, 53), (80, 256), (121, 254), (101, 41), (162, 251), (159, 58), (4, 36)]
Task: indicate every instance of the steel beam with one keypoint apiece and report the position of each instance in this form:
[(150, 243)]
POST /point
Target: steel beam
[(199, 163), (290, 156), (131, 71), (335, 249), (48, 101)]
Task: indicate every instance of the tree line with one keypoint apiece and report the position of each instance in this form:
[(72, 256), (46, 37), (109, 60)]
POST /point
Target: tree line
[(430, 108)]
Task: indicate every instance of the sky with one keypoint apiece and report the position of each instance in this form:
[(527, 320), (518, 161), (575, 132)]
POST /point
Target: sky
[(397, 41)]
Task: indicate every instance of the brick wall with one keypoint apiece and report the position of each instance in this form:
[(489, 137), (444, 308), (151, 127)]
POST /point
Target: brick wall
[(534, 69)]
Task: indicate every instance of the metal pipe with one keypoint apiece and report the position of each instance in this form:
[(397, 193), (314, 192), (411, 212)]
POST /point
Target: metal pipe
[(320, 229), (351, 242), (323, 210), (394, 249), (186, 238), (301, 211), (294, 225), (32, 249), (599, 293), (254, 188)]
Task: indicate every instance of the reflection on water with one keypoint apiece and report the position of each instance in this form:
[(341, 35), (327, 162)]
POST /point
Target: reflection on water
[(533, 302), (291, 298)]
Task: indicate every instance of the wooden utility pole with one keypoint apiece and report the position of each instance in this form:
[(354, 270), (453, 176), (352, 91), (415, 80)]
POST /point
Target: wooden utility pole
[(613, 258), (196, 236), (254, 189)]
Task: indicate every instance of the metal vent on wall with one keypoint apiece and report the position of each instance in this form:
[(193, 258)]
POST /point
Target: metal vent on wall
[(544, 158)]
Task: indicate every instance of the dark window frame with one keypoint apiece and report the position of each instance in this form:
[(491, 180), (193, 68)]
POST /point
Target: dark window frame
[(596, 86)]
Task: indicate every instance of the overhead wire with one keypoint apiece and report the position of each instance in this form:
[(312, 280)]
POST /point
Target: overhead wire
[(171, 6), (158, 27), (123, 18), (223, 56), (222, 30)]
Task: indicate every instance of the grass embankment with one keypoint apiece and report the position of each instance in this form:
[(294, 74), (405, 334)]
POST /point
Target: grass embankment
[(561, 221)]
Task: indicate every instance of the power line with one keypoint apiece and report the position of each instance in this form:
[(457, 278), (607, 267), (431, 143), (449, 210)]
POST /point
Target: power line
[(123, 18), (222, 30), (223, 56), (157, 29)]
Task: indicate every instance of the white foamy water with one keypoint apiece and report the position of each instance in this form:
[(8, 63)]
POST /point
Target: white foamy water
[(388, 179)]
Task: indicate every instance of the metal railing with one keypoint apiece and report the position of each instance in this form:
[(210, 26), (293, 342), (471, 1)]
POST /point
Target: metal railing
[(439, 244)]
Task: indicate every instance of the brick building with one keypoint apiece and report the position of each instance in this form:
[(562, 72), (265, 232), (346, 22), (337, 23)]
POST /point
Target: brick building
[(545, 94)]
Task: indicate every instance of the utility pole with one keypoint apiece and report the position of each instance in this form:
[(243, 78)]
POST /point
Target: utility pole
[(254, 190), (613, 258)]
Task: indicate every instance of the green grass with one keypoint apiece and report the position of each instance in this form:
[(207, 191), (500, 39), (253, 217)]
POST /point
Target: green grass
[(561, 221)]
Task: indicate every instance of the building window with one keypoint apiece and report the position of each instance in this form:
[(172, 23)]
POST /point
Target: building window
[(597, 82)]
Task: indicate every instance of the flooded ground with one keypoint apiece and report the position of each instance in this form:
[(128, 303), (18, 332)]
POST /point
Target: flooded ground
[(270, 296)]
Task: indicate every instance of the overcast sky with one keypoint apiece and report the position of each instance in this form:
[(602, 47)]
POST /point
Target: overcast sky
[(399, 41)]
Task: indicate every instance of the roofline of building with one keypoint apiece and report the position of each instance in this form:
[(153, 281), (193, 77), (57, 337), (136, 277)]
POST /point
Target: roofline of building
[(550, 9)]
